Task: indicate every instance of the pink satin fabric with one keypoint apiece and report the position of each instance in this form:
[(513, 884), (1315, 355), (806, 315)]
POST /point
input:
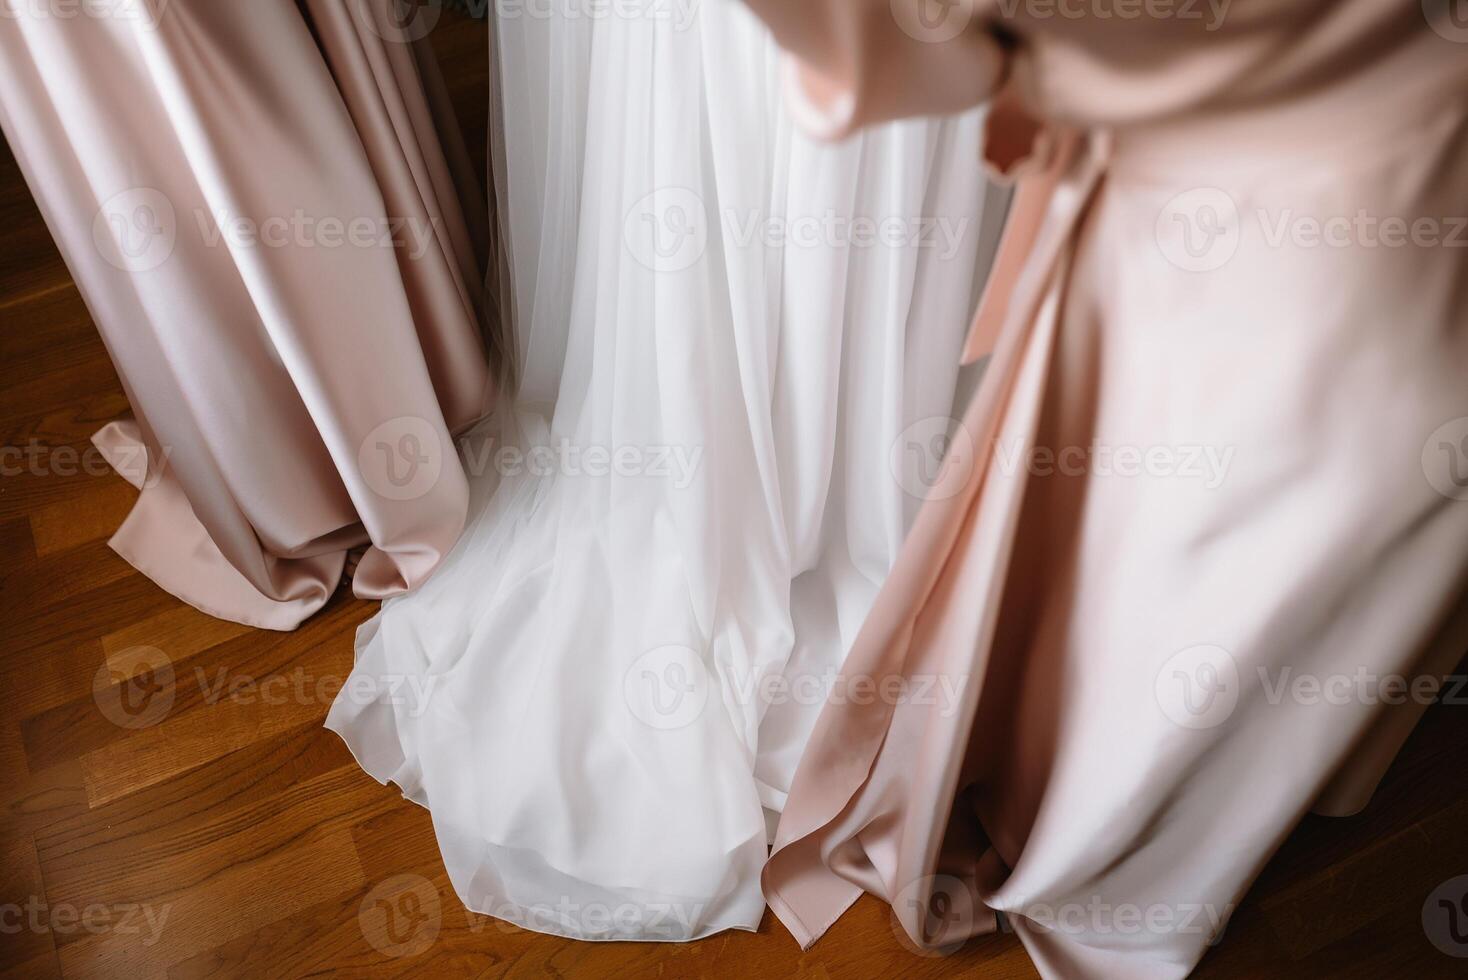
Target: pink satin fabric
[(1071, 786), (270, 215)]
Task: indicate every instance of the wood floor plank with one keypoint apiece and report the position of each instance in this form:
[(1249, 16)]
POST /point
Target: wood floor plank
[(55, 581), (176, 924), (158, 859), (50, 459), (261, 855), (93, 515), (26, 939), (63, 404), (352, 933), (55, 652), (186, 741), (17, 547), (1398, 871), (249, 778), (182, 630), (45, 966), (251, 687), (61, 331), (173, 639), (30, 267)]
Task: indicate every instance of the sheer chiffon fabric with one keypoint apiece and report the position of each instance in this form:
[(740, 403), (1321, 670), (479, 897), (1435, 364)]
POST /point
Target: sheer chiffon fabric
[(1132, 744), (269, 213), (681, 523)]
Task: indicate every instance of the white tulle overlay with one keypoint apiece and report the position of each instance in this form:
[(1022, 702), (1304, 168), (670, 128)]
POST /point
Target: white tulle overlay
[(737, 351)]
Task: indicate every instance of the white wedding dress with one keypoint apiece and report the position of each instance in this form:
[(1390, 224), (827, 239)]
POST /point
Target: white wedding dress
[(737, 350)]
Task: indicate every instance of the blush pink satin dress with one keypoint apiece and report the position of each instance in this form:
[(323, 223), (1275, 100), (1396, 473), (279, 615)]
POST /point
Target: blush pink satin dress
[(1199, 555), (270, 215)]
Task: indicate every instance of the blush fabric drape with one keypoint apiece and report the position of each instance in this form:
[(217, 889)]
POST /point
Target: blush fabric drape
[(1232, 241), (269, 213)]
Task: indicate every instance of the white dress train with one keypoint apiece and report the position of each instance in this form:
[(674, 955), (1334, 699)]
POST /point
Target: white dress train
[(736, 347)]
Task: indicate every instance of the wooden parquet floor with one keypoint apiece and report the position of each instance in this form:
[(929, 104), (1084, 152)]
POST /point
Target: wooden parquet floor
[(236, 837)]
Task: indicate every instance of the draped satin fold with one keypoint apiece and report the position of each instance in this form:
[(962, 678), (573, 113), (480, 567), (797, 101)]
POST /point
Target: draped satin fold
[(271, 217), (1128, 736)]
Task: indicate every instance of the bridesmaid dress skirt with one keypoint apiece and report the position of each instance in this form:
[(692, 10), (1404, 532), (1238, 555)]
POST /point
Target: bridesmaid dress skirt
[(269, 213), (1199, 559)]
